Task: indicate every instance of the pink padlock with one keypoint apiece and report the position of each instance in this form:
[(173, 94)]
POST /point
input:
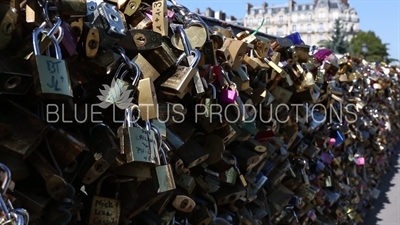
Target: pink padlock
[(228, 95), (321, 54), (360, 161), (331, 141)]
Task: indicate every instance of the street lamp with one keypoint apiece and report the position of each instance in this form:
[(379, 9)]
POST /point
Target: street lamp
[(364, 50)]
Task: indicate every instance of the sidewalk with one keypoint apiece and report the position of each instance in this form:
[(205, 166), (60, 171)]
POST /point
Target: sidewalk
[(387, 206)]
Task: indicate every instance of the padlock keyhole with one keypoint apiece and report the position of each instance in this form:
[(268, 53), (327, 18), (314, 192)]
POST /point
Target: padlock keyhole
[(12, 82), (114, 17)]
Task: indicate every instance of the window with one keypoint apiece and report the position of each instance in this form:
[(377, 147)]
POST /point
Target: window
[(294, 28), (250, 22), (280, 31), (309, 27), (280, 19), (301, 27), (259, 21), (302, 16), (267, 30), (320, 37), (267, 20), (335, 15), (347, 16), (320, 27), (294, 18), (309, 17), (321, 15), (308, 39)]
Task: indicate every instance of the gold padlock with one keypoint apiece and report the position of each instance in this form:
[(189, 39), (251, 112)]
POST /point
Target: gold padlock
[(104, 210)]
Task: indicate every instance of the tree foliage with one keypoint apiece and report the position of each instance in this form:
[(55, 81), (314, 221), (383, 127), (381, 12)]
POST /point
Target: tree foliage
[(337, 41), (377, 51)]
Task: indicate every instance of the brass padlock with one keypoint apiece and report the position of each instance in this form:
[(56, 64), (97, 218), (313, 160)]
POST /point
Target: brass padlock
[(147, 99), (147, 69), (105, 210), (164, 172), (237, 50), (20, 124), (179, 81), (160, 19)]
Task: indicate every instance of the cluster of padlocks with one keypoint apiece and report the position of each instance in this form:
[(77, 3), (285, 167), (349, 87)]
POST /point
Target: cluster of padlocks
[(142, 112)]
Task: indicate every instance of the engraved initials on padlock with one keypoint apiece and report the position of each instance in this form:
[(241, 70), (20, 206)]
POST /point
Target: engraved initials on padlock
[(51, 76)]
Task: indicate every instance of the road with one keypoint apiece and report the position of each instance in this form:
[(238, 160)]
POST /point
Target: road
[(387, 207)]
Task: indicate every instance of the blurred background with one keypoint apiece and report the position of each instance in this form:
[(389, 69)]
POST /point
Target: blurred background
[(366, 28)]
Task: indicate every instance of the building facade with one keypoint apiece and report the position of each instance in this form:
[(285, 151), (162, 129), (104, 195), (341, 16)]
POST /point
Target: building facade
[(220, 15), (314, 21)]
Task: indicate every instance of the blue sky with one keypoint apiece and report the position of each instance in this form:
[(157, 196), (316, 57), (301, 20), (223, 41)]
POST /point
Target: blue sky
[(382, 17)]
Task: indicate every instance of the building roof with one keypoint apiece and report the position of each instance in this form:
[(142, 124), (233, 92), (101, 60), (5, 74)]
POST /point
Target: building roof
[(332, 4)]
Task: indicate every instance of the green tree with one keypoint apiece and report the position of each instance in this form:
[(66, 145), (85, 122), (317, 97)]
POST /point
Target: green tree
[(377, 51), (337, 41)]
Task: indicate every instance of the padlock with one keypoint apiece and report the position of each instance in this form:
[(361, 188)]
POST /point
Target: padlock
[(68, 43), (190, 151), (228, 94), (160, 19), (164, 172), (56, 186), (161, 58), (21, 125), (215, 146), (141, 40), (110, 24), (237, 50), (147, 99), (147, 197), (196, 32), (186, 182), (72, 8), (105, 210), (208, 181), (184, 203), (229, 194), (105, 147), (66, 147), (131, 7), (14, 77), (51, 78), (178, 82), (146, 68), (8, 17), (209, 104), (137, 143), (243, 181)]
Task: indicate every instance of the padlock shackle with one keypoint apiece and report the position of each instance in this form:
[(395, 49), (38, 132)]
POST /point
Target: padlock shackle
[(56, 26), (130, 119), (24, 213), (102, 125), (158, 135), (185, 41), (200, 22), (35, 40), (4, 207), (214, 90), (196, 57), (7, 179), (98, 186)]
